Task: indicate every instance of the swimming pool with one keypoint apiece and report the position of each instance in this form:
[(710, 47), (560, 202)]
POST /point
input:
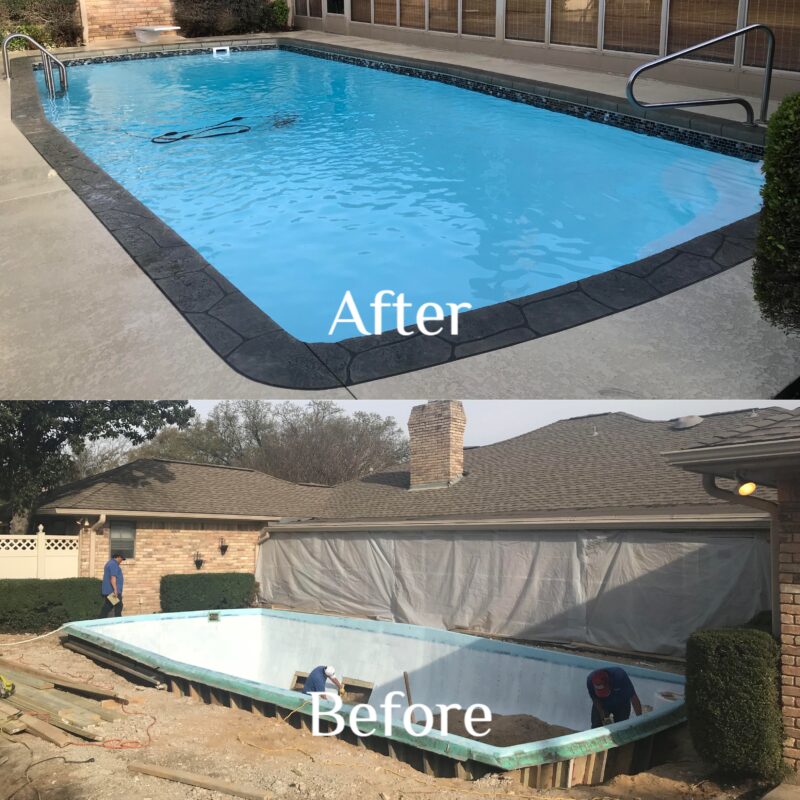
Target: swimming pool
[(349, 179), (257, 652)]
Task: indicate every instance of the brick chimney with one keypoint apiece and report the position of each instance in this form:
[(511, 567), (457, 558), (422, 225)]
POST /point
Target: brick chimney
[(436, 432)]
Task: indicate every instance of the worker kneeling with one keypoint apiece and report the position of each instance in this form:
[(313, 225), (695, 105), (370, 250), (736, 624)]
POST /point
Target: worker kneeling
[(366, 714), (317, 683), (612, 696)]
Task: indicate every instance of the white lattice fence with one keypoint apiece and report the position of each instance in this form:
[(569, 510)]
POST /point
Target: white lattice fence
[(39, 556)]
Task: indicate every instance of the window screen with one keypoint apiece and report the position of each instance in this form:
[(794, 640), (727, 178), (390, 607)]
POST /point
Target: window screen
[(386, 12), (525, 20), (336, 6), (694, 21), (478, 17), (361, 10), (314, 8), (783, 16), (443, 15), (301, 8), (412, 13), (574, 22), (633, 26), (123, 538)]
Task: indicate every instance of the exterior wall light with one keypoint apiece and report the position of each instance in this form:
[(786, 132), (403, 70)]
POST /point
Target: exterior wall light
[(198, 560), (223, 545), (745, 488)]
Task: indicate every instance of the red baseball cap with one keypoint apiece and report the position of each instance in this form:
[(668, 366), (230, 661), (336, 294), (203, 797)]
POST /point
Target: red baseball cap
[(601, 682)]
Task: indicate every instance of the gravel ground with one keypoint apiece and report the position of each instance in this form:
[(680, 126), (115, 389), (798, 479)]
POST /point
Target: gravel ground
[(237, 746)]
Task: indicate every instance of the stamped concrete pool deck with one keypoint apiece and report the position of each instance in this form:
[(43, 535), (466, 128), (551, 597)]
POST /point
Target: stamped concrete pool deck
[(81, 319)]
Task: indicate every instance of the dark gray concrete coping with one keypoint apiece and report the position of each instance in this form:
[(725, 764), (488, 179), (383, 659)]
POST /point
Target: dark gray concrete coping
[(254, 345)]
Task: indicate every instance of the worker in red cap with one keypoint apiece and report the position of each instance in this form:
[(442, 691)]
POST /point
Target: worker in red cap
[(612, 696)]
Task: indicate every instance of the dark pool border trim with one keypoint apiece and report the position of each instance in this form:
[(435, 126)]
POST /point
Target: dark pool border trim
[(254, 345)]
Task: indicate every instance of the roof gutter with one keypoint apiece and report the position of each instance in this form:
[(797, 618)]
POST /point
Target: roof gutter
[(744, 519), (711, 488)]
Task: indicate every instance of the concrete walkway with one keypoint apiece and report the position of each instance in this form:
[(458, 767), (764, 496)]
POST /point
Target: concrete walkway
[(80, 319)]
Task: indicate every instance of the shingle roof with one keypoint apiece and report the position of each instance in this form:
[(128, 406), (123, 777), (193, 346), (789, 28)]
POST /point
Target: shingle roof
[(594, 462), (767, 426), (156, 485), (606, 461)]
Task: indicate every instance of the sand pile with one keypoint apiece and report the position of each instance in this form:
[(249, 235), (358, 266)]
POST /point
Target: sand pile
[(505, 729)]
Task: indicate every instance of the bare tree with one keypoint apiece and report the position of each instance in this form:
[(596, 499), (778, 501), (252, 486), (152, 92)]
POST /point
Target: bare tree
[(317, 442), (100, 456)]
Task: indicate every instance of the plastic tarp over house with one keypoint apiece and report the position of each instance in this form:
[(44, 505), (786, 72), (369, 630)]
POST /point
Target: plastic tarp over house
[(645, 591)]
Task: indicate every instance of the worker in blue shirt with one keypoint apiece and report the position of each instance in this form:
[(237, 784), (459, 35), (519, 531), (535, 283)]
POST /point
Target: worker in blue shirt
[(111, 590), (612, 696), (317, 681)]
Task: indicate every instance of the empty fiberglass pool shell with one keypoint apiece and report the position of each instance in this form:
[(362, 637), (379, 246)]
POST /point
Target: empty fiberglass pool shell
[(250, 658)]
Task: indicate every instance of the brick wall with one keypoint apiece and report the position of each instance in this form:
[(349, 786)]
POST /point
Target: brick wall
[(436, 440), (167, 547), (788, 526), (115, 19)]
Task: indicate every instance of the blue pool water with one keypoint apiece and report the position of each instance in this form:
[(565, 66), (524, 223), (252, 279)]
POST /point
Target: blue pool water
[(361, 180)]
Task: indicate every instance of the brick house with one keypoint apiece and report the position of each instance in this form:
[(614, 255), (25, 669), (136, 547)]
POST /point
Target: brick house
[(162, 514), (766, 452), (577, 531)]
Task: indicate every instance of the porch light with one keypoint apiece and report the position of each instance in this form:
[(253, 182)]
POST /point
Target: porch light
[(223, 545), (198, 560), (745, 488)]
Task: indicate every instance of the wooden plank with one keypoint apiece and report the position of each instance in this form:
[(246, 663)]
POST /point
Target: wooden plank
[(55, 698), (195, 779), (143, 674), (32, 676), (54, 704), (19, 676), (598, 774), (44, 730), (13, 727), (8, 711)]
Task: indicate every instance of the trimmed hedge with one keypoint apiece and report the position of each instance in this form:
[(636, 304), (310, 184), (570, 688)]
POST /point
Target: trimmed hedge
[(733, 701), (208, 590), (31, 605), (230, 17), (776, 275), (51, 22)]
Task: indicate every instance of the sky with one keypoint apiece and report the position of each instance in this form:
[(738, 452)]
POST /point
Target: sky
[(491, 421)]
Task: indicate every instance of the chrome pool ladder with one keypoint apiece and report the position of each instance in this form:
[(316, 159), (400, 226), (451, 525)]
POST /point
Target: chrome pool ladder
[(48, 61), (714, 101)]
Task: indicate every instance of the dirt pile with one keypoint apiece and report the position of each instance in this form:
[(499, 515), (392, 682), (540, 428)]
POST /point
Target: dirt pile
[(505, 729)]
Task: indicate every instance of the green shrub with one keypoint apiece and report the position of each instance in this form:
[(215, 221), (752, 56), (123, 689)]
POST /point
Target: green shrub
[(733, 702), (278, 11), (221, 17), (32, 605), (776, 276), (51, 22), (207, 590)]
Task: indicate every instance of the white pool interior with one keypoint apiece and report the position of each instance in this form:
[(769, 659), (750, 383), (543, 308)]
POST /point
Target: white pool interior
[(444, 667)]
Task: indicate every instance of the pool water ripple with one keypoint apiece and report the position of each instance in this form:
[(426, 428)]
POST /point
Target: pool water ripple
[(362, 180)]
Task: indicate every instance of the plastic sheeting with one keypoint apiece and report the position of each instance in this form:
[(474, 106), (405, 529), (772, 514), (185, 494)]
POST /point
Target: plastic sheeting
[(645, 591)]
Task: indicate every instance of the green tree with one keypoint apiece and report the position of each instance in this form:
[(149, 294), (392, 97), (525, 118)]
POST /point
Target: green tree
[(317, 442), (40, 440)]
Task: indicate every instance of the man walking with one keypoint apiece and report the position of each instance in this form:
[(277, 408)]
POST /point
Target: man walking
[(111, 589), (612, 696)]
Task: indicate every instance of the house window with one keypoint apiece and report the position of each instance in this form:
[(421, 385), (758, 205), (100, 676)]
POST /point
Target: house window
[(122, 537)]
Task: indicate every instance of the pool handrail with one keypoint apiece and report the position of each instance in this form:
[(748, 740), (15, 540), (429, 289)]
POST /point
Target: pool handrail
[(713, 101), (48, 59)]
